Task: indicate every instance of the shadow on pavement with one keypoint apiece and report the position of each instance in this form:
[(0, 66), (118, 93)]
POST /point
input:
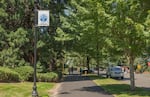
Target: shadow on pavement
[(124, 79), (96, 89), (75, 77), (64, 93)]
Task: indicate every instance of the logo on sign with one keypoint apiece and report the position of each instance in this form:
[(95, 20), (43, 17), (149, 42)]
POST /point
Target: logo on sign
[(43, 18)]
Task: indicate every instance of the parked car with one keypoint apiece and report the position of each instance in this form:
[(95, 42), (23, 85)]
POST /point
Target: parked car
[(115, 72), (84, 71)]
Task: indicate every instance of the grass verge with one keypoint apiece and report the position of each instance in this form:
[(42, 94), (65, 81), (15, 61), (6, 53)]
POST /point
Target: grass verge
[(24, 89), (119, 89)]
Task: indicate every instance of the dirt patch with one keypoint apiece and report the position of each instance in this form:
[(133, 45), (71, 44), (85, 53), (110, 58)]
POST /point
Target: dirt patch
[(146, 72), (53, 92)]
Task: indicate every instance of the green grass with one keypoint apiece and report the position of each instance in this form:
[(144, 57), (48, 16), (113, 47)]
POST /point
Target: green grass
[(119, 89), (24, 89)]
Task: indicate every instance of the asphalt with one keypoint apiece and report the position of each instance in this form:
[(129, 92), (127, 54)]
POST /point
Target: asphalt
[(141, 80), (80, 86)]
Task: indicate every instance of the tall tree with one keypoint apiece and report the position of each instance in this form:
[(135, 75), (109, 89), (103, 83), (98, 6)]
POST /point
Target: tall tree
[(128, 30)]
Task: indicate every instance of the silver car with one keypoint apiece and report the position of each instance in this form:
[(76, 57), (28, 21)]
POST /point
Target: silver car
[(115, 72)]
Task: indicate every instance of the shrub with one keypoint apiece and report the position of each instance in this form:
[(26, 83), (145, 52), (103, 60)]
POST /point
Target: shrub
[(148, 69), (59, 75), (47, 77), (26, 72), (7, 75)]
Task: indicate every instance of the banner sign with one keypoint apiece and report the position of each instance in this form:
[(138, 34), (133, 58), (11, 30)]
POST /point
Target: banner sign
[(43, 18)]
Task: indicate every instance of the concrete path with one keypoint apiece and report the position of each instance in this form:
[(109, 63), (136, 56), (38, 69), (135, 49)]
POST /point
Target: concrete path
[(80, 86)]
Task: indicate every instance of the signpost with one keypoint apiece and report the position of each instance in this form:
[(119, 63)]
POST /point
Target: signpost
[(43, 20)]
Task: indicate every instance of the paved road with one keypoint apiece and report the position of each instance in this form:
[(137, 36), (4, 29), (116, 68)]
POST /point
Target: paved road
[(141, 80), (80, 86)]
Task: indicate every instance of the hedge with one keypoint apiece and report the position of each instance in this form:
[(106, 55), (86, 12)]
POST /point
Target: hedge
[(8, 75), (25, 72), (47, 77)]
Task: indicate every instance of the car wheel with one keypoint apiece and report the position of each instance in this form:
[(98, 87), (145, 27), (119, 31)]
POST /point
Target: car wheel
[(107, 76), (110, 76), (122, 77)]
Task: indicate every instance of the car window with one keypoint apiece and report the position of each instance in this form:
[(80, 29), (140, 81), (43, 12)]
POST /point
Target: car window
[(116, 69)]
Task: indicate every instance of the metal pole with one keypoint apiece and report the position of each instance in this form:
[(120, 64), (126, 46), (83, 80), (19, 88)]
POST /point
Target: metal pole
[(34, 92)]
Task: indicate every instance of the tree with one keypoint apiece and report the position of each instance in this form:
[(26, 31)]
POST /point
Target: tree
[(128, 31)]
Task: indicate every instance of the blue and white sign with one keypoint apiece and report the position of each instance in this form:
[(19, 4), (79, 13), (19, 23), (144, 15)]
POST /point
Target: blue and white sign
[(43, 17)]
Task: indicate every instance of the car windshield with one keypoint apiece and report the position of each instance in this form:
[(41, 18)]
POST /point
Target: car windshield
[(116, 69)]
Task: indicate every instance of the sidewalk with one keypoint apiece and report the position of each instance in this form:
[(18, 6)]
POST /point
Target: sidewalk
[(80, 86)]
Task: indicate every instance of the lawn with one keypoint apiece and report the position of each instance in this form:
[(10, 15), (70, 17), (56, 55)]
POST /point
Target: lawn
[(24, 89), (119, 89)]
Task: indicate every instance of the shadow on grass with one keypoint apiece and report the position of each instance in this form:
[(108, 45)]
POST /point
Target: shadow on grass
[(122, 89), (10, 82), (125, 89), (43, 96)]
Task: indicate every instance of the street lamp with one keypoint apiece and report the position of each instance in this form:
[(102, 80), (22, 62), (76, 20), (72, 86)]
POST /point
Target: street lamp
[(41, 19), (34, 92)]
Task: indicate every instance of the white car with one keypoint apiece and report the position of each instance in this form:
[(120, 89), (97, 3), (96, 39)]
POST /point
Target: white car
[(115, 72)]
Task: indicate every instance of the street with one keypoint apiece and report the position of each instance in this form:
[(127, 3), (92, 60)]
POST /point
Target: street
[(79, 86), (141, 80)]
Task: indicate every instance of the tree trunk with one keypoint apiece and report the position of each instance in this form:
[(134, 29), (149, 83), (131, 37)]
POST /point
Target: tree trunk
[(87, 63), (98, 73), (97, 47), (52, 65), (132, 79), (31, 57)]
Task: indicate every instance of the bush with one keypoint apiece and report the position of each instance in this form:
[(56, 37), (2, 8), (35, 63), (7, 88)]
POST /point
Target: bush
[(59, 74), (7, 75), (26, 72), (47, 77), (148, 69)]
